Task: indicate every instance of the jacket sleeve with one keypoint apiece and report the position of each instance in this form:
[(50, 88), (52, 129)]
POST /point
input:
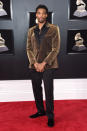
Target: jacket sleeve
[(55, 47), (29, 49)]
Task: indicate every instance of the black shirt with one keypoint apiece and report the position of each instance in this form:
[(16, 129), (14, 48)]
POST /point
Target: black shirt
[(39, 34)]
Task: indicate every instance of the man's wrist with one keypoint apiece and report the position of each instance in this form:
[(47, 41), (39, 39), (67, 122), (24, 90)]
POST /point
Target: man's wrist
[(44, 62), (35, 63)]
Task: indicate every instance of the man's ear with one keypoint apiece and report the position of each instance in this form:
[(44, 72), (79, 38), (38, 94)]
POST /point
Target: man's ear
[(46, 15), (36, 14)]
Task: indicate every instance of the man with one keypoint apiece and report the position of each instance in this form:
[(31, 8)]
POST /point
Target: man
[(43, 44)]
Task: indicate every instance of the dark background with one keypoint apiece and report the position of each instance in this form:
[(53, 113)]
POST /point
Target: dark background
[(7, 6), (7, 35), (15, 66), (73, 8), (71, 40)]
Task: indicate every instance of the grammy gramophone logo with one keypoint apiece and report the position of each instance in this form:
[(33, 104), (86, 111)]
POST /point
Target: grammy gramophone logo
[(2, 11), (3, 47)]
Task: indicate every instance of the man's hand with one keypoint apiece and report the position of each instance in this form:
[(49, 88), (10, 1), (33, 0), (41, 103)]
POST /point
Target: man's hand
[(40, 66), (36, 65)]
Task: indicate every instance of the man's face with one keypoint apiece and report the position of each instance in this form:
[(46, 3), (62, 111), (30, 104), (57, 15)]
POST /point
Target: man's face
[(41, 15)]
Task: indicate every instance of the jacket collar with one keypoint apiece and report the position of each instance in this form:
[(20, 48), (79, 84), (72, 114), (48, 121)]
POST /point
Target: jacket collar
[(43, 32), (47, 24)]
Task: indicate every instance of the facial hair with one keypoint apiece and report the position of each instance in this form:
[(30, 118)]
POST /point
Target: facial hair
[(41, 21)]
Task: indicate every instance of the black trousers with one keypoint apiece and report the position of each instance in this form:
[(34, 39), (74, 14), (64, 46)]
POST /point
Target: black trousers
[(36, 79)]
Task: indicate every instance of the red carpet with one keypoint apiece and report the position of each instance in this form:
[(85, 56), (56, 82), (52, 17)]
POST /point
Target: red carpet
[(70, 115)]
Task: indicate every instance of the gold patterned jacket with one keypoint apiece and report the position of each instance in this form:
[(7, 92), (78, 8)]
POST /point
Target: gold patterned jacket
[(47, 50)]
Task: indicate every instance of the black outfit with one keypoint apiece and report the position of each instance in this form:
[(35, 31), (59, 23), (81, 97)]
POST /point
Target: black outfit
[(36, 78), (40, 34), (47, 76)]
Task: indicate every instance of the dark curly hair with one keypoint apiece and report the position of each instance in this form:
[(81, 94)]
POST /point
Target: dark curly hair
[(43, 7)]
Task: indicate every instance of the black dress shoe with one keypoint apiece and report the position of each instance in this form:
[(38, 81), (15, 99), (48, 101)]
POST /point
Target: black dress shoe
[(50, 122), (37, 114)]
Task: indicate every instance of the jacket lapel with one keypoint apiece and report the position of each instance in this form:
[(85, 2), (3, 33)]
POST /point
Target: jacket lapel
[(43, 32)]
